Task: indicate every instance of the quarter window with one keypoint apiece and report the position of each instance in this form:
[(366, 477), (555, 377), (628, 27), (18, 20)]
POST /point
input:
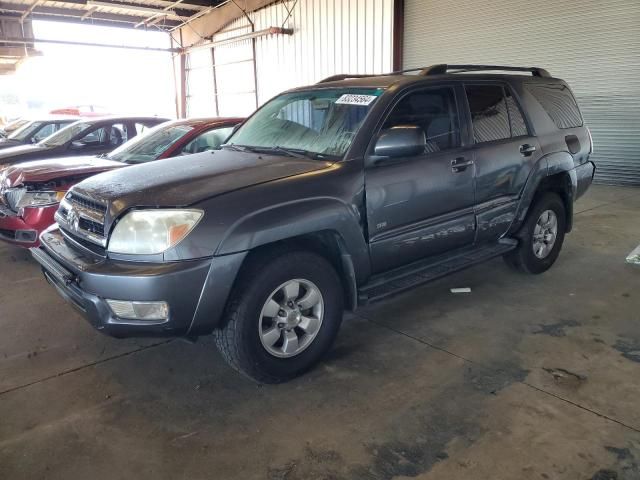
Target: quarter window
[(557, 100), (434, 111), (489, 113)]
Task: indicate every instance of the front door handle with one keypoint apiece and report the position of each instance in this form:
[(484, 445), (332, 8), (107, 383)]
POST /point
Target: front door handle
[(526, 149), (460, 164)]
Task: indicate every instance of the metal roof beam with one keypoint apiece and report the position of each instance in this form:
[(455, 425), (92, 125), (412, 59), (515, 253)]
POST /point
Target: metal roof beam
[(32, 41)]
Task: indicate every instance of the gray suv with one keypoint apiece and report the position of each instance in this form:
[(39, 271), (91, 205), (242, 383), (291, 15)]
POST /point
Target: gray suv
[(329, 197)]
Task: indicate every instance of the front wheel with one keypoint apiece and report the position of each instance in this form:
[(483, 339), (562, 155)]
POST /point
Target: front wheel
[(284, 315), (541, 237)]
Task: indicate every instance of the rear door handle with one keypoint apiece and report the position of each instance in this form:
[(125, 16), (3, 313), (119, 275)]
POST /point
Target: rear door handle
[(460, 164), (527, 149)]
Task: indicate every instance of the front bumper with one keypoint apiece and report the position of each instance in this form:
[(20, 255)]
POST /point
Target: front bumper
[(86, 280), (24, 230)]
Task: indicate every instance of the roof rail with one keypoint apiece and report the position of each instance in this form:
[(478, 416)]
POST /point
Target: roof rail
[(344, 76), (441, 69), (444, 68)]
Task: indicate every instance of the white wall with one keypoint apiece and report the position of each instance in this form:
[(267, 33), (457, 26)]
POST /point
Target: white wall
[(330, 36)]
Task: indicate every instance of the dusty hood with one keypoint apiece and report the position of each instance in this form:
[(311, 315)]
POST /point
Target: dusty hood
[(183, 181), (42, 171)]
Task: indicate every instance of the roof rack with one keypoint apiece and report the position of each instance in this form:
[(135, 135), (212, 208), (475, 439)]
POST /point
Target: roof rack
[(444, 68), (344, 76), (441, 69)]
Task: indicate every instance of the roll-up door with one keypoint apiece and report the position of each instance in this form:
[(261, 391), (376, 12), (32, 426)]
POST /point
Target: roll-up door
[(593, 45)]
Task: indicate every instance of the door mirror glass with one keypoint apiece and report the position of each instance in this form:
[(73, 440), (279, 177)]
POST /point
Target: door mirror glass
[(77, 145), (401, 141)]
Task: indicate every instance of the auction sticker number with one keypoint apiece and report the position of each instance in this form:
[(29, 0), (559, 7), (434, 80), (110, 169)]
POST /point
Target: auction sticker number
[(352, 99)]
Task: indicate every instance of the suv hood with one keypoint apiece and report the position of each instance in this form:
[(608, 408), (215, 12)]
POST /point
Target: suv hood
[(183, 181), (43, 171)]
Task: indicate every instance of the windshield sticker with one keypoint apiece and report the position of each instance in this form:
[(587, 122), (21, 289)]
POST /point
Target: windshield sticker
[(352, 99)]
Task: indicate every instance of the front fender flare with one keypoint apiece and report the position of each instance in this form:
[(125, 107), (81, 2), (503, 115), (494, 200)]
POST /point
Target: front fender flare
[(300, 217)]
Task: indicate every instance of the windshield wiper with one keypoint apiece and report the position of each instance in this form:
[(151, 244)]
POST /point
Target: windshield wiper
[(237, 148), (288, 151), (291, 152)]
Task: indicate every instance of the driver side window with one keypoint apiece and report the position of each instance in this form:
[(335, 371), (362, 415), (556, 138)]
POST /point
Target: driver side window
[(210, 140), (112, 135), (435, 112)]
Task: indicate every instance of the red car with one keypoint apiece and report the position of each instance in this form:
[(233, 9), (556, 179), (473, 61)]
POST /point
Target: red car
[(30, 191)]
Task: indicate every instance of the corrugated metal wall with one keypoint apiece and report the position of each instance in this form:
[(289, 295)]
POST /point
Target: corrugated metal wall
[(330, 36), (593, 44)]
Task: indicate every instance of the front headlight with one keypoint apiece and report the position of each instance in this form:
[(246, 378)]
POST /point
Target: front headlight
[(147, 232), (21, 198)]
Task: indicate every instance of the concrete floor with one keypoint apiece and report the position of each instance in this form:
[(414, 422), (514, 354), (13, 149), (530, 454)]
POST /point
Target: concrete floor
[(524, 378)]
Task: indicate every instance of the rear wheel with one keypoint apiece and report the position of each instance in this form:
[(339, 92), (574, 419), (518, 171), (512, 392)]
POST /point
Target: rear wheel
[(283, 316), (541, 237)]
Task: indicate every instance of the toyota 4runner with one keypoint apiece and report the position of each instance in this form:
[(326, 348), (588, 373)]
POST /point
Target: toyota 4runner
[(329, 197)]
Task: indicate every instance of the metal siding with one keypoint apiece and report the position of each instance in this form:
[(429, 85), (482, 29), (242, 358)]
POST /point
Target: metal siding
[(330, 36), (593, 45)]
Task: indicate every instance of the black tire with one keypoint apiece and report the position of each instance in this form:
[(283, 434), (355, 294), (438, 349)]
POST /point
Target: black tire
[(523, 257), (238, 339)]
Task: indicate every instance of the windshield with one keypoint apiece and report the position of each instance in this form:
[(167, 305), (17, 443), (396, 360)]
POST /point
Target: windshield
[(64, 135), (150, 145), (322, 122), (25, 131)]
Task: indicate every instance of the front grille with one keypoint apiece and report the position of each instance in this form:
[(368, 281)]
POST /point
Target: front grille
[(85, 202), (91, 226), (83, 244), (83, 218)]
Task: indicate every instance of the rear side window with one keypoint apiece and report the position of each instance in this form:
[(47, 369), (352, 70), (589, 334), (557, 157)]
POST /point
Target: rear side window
[(558, 102), (434, 110), (489, 113), (518, 125)]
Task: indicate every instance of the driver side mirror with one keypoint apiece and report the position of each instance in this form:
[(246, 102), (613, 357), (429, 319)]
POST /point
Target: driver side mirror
[(77, 145), (401, 141)]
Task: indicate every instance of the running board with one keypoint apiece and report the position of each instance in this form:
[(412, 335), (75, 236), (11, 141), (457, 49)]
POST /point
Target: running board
[(423, 271)]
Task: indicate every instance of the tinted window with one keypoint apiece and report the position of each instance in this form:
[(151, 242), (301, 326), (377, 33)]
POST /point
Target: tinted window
[(142, 128), (67, 134), (516, 119), (44, 132), (210, 140), (109, 135), (488, 113), (559, 103), (434, 111)]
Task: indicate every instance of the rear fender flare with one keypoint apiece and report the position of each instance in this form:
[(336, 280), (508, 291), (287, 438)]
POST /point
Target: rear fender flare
[(548, 166)]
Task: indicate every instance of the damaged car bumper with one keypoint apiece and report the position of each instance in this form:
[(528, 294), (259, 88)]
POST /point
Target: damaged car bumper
[(24, 228), (129, 299)]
